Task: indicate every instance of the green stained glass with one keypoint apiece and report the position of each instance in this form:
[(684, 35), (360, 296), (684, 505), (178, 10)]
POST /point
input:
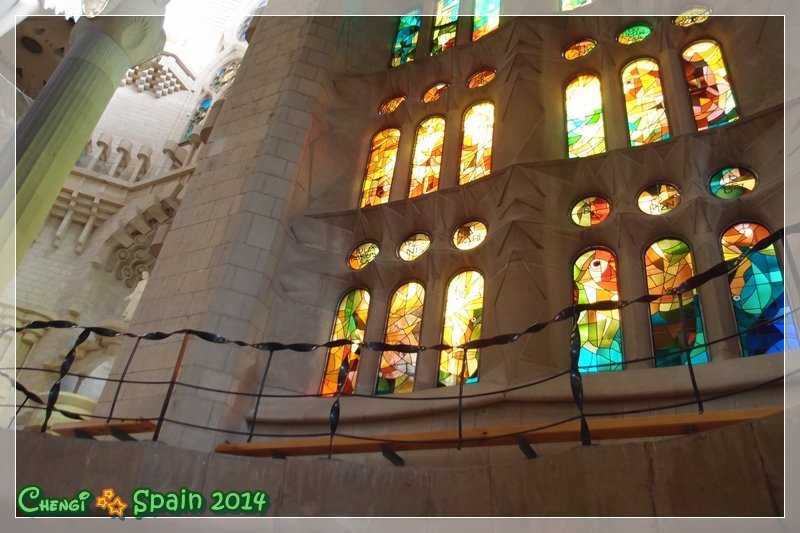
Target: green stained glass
[(668, 263), (713, 103), (397, 370), (590, 211), (486, 19), (634, 33), (350, 323), (427, 162), (569, 5), (444, 26), (362, 255), (463, 317), (584, 104), (644, 103), (380, 167), (405, 42), (476, 146), (730, 183), (595, 276)]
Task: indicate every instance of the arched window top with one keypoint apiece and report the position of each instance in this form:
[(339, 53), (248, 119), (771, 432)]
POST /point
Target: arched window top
[(397, 370), (584, 106), (380, 167), (644, 102), (476, 142), (241, 34), (427, 160), (463, 320), (405, 42), (486, 19), (349, 323), (225, 76), (444, 26), (713, 103)]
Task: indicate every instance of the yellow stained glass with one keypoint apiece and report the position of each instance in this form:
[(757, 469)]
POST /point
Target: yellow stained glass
[(444, 26), (584, 103), (481, 78), (578, 49), (362, 255), (476, 145), (713, 103), (435, 92), (634, 33), (730, 183), (350, 323), (590, 211), (380, 168), (427, 162), (469, 235), (486, 19), (569, 5), (659, 199), (463, 317), (692, 16), (397, 369), (225, 75), (391, 105), (413, 247), (644, 102)]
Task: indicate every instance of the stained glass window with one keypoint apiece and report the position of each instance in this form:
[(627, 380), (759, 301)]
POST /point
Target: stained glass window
[(242, 33), (435, 92), (585, 133), (362, 255), (469, 235), (659, 199), (590, 211), (391, 105), (413, 247), (709, 87), (730, 183), (476, 145), (692, 16), (756, 289), (380, 168), (634, 33), (405, 42), (481, 78), (578, 49), (569, 5), (444, 26), (198, 117), (595, 277), (463, 316), (486, 19), (644, 102), (350, 323), (427, 161), (225, 76), (397, 370), (668, 263)]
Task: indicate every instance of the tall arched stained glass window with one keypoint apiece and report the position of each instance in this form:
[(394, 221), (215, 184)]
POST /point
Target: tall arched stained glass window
[(198, 117), (405, 41), (350, 323), (380, 167), (427, 162), (486, 19), (756, 289), (644, 102), (397, 370), (476, 143), (595, 276), (463, 317), (444, 26), (709, 87), (584, 104), (668, 263)]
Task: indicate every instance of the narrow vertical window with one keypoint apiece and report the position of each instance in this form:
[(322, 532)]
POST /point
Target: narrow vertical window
[(486, 19), (198, 117), (444, 26), (397, 370), (595, 277), (668, 263), (584, 104), (644, 102), (405, 41), (463, 316), (350, 323), (380, 167), (756, 289), (476, 144), (427, 162), (709, 87)]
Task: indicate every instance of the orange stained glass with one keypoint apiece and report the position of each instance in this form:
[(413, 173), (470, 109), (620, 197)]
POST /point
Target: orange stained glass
[(470, 235), (486, 19), (413, 247), (397, 369), (435, 92), (579, 49), (659, 199), (713, 103), (692, 16), (362, 255), (391, 105), (350, 323), (590, 211), (380, 168), (445, 26), (481, 78), (476, 145), (644, 102), (463, 317), (427, 162), (584, 104)]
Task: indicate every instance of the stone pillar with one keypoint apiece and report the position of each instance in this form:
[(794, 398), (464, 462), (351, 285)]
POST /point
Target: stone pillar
[(52, 133)]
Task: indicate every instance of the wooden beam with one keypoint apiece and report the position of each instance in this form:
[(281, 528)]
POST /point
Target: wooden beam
[(95, 428), (601, 428)]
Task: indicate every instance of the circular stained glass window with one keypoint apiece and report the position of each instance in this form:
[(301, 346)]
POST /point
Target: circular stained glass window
[(481, 78), (413, 247), (590, 211), (659, 199), (730, 183), (634, 33), (469, 235), (391, 105), (578, 49), (434, 93), (692, 16), (363, 254)]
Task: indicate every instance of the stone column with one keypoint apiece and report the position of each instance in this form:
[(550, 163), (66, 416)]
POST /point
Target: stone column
[(52, 133)]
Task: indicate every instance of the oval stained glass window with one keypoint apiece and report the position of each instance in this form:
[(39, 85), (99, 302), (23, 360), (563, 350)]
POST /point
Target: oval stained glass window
[(413, 247), (391, 105), (578, 49), (730, 183), (590, 211), (363, 254), (692, 16), (634, 33), (469, 235), (434, 93), (481, 78), (659, 199)]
